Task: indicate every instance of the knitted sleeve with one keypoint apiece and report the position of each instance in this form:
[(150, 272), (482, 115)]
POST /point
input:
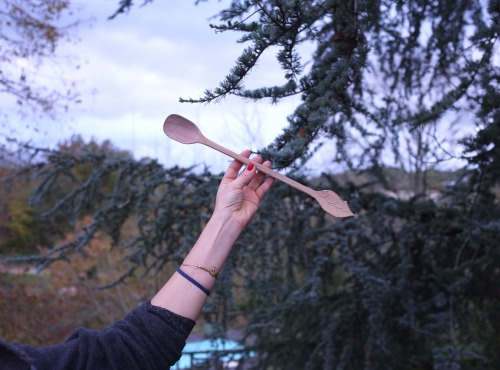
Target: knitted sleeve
[(149, 337)]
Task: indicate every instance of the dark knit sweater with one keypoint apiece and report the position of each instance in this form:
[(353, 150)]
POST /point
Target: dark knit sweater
[(149, 337)]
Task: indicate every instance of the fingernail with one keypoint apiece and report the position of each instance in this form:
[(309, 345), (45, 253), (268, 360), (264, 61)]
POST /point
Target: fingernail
[(250, 166)]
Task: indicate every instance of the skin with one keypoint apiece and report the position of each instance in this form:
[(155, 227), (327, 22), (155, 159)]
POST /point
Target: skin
[(237, 201)]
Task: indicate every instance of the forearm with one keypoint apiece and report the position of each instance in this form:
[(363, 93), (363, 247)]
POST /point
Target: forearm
[(237, 200), (181, 296)]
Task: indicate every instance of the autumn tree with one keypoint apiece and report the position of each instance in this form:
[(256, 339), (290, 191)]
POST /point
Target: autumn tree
[(30, 32), (21, 227)]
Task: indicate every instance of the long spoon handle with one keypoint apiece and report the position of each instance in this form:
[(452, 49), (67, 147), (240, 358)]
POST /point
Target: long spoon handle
[(260, 167)]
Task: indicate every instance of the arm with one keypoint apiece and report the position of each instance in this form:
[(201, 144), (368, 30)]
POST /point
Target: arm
[(148, 338), (153, 335), (238, 199)]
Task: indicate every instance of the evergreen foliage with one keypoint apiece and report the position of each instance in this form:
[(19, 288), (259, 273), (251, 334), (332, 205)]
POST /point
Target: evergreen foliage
[(404, 284), (379, 67)]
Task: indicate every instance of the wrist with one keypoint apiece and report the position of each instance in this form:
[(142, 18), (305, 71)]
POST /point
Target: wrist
[(226, 222), (216, 240)]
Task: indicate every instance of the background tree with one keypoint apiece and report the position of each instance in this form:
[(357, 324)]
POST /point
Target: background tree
[(410, 282), (30, 32), (20, 225)]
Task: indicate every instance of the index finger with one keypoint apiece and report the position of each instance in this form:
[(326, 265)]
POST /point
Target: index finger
[(235, 166)]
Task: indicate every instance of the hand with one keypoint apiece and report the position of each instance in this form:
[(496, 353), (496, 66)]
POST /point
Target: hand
[(239, 197)]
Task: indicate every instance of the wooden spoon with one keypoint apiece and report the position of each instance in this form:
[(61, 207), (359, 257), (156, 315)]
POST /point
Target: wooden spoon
[(184, 131)]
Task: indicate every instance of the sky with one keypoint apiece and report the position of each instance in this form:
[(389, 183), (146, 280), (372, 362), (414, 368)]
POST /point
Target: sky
[(134, 68)]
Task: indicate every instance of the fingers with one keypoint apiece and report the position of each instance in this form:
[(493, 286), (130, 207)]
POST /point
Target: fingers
[(235, 166), (259, 176), (264, 187), (250, 176), (254, 178)]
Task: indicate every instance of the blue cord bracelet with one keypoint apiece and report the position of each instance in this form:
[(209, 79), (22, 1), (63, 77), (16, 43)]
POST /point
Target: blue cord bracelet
[(205, 290)]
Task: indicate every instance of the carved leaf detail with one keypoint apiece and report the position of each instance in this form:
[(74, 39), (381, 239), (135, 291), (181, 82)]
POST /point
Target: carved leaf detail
[(333, 204)]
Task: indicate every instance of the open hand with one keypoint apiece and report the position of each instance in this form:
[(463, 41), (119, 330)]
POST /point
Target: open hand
[(239, 197)]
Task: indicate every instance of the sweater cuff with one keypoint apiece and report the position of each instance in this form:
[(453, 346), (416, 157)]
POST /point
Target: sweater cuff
[(180, 325)]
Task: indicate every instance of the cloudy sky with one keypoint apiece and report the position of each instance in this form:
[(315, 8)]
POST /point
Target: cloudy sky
[(133, 69)]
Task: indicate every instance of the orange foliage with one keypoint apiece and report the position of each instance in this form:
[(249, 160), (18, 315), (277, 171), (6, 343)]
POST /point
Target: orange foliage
[(43, 309)]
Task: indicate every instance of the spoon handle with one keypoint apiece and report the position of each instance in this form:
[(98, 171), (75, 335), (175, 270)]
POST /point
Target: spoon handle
[(260, 167)]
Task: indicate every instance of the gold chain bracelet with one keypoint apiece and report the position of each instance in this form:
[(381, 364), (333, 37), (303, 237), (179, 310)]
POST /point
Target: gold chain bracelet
[(212, 271)]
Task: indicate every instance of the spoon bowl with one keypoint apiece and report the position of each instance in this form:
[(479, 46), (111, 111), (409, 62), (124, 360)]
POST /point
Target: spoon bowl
[(182, 130)]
